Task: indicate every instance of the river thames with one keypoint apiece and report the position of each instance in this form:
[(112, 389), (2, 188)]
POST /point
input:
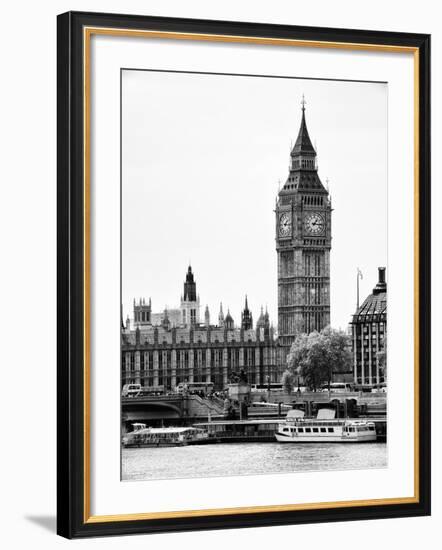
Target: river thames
[(226, 459)]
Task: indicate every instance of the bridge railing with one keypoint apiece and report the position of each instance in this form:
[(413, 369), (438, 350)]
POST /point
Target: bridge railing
[(320, 396)]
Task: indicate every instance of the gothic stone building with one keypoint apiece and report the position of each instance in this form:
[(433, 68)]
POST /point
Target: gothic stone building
[(176, 345), (187, 350), (303, 243), (369, 330)]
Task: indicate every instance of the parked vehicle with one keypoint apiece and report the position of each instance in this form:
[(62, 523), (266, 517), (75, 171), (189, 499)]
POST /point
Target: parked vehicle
[(339, 387), (131, 390), (137, 390), (204, 388)]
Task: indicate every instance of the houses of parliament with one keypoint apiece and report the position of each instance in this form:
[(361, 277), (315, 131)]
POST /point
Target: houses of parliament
[(178, 345)]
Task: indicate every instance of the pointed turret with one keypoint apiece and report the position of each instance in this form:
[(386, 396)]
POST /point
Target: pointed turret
[(303, 169), (228, 322), (190, 303), (142, 312), (166, 322), (189, 287), (303, 144), (266, 319), (221, 315), (207, 316), (246, 317), (261, 321)]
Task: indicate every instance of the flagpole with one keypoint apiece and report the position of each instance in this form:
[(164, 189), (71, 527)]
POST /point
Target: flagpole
[(357, 289)]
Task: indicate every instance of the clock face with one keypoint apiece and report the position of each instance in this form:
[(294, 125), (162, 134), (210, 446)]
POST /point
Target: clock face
[(314, 224), (285, 225)]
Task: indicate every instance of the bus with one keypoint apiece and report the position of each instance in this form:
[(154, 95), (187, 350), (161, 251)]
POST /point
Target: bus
[(131, 390), (152, 390), (260, 388), (204, 388), (137, 390), (339, 387)]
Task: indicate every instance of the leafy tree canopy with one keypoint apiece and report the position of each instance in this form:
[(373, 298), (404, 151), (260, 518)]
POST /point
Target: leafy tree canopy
[(317, 355), (382, 358)]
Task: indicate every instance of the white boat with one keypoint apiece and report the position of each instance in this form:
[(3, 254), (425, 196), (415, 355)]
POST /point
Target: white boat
[(324, 429), (163, 437)]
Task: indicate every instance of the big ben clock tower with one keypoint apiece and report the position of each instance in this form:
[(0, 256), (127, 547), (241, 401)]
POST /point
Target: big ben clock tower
[(303, 243)]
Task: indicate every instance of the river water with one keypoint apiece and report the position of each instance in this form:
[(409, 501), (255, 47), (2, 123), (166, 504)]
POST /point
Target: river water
[(227, 459)]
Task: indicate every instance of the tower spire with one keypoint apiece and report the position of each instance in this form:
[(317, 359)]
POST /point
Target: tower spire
[(303, 144), (207, 316), (246, 317), (221, 315), (303, 167), (189, 287)]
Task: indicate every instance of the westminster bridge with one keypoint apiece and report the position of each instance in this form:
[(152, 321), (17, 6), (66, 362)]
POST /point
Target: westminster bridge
[(193, 408), (172, 406)]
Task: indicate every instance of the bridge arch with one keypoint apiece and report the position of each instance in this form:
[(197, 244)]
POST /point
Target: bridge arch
[(153, 409)]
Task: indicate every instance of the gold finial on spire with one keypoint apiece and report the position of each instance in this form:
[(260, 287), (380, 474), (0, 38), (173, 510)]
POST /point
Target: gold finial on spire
[(303, 103)]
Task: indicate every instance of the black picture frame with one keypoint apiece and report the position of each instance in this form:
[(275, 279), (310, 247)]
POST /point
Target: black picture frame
[(73, 520)]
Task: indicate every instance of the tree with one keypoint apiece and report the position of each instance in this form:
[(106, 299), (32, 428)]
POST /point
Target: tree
[(338, 348), (288, 381), (316, 356), (382, 359)]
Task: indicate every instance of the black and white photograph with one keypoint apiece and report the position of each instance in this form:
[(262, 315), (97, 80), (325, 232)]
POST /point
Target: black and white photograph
[(253, 274), (208, 209)]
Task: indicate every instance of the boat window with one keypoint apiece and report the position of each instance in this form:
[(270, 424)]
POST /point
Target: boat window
[(286, 430), (308, 430), (301, 430), (331, 429), (323, 430), (371, 428), (315, 430)]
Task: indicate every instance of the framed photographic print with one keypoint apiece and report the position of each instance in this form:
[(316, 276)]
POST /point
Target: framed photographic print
[(238, 206)]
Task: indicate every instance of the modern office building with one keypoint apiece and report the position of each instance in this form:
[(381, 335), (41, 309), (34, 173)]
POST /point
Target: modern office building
[(368, 333)]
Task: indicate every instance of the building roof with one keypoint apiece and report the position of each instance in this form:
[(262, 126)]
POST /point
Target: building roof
[(373, 305), (157, 336), (303, 142), (261, 320), (376, 303), (303, 178), (228, 318), (300, 181)]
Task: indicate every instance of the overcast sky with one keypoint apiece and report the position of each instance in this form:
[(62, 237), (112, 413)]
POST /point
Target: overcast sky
[(202, 157)]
